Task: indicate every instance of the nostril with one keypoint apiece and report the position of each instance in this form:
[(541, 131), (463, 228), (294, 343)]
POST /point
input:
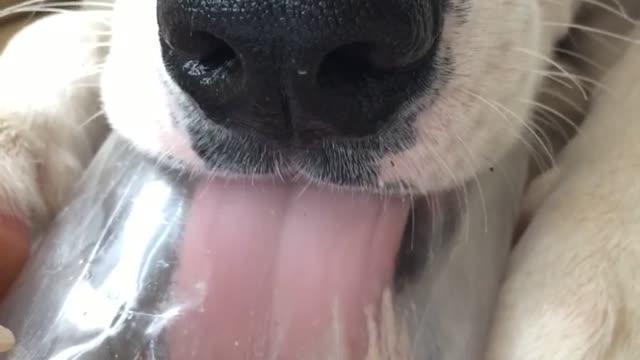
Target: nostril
[(204, 65), (357, 62), (209, 50), (350, 63)]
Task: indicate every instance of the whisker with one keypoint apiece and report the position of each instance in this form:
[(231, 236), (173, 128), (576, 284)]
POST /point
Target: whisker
[(461, 192), (531, 128), (620, 10), (42, 6), (594, 30), (92, 118), (59, 4), (503, 114), (556, 65), (477, 182), (553, 75), (564, 98), (552, 111), (576, 55), (545, 119)]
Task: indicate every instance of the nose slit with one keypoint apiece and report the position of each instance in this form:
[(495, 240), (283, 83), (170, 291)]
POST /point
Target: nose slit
[(346, 64), (221, 55), (207, 49)]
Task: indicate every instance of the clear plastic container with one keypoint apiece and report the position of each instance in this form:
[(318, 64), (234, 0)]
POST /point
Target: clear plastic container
[(137, 267)]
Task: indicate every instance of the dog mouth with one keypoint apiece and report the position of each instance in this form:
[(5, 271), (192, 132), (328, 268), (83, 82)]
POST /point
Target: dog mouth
[(281, 267)]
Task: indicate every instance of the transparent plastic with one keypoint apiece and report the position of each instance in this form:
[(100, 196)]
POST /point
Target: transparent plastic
[(111, 279)]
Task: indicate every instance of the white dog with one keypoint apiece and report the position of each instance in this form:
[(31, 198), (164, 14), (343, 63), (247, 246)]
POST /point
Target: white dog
[(435, 93)]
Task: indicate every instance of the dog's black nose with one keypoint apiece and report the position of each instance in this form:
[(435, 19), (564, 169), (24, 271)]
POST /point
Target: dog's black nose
[(299, 69)]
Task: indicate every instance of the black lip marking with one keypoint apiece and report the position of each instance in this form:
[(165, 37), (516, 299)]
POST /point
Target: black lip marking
[(353, 164), (236, 156), (460, 8)]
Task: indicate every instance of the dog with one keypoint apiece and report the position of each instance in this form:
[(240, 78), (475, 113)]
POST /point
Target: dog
[(406, 98)]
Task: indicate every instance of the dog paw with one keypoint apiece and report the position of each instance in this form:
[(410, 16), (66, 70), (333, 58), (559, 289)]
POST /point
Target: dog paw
[(571, 287), (559, 314), (571, 290), (563, 297), (569, 297), (49, 124)]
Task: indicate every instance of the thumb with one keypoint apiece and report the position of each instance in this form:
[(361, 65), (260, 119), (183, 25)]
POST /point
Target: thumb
[(14, 250)]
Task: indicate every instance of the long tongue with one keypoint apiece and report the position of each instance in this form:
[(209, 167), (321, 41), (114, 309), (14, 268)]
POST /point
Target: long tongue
[(282, 271)]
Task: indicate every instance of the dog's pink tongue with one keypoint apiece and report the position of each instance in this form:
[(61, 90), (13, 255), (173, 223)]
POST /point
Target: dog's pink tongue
[(282, 272)]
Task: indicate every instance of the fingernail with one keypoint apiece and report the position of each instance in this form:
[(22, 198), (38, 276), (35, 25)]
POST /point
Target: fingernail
[(7, 340)]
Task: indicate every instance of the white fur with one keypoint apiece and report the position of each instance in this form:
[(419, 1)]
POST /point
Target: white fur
[(574, 280), (571, 292), (466, 129), (46, 101), (460, 134)]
